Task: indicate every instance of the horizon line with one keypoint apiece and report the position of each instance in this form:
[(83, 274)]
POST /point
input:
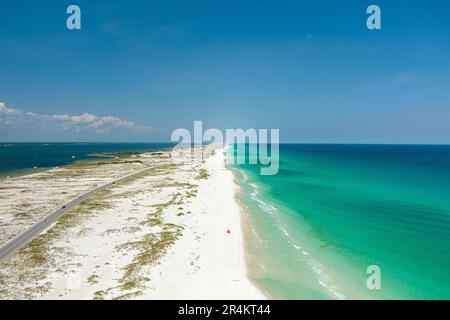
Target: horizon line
[(281, 143)]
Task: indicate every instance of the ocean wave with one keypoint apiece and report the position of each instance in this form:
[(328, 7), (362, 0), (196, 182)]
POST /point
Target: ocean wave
[(322, 277), (244, 175), (254, 195), (255, 234), (284, 231), (296, 246)]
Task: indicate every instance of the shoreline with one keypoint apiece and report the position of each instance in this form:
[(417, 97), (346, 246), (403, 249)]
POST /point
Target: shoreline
[(247, 235), (110, 149), (309, 269), (221, 271), (23, 172)]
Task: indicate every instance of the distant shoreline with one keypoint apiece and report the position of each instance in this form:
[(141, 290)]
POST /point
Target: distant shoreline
[(25, 158)]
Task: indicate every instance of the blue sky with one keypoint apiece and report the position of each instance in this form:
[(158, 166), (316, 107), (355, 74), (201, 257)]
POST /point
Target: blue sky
[(139, 69)]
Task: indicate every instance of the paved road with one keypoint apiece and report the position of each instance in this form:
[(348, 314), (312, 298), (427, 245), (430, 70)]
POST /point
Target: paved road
[(18, 242)]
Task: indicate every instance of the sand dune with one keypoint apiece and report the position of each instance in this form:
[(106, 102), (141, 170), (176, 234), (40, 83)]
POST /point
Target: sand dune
[(172, 233)]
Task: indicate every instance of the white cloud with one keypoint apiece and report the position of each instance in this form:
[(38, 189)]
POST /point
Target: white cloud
[(8, 111), (82, 122), (85, 117)]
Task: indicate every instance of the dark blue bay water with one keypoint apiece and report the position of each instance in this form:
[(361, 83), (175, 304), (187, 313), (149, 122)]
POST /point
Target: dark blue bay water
[(19, 158)]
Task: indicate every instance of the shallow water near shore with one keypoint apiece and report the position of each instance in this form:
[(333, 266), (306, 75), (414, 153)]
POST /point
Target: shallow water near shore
[(333, 210)]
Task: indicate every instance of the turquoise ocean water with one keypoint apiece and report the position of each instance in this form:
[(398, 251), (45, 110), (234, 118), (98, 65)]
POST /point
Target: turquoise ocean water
[(23, 158), (333, 210)]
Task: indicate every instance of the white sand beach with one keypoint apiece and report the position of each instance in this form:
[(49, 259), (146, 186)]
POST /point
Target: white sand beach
[(172, 233)]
